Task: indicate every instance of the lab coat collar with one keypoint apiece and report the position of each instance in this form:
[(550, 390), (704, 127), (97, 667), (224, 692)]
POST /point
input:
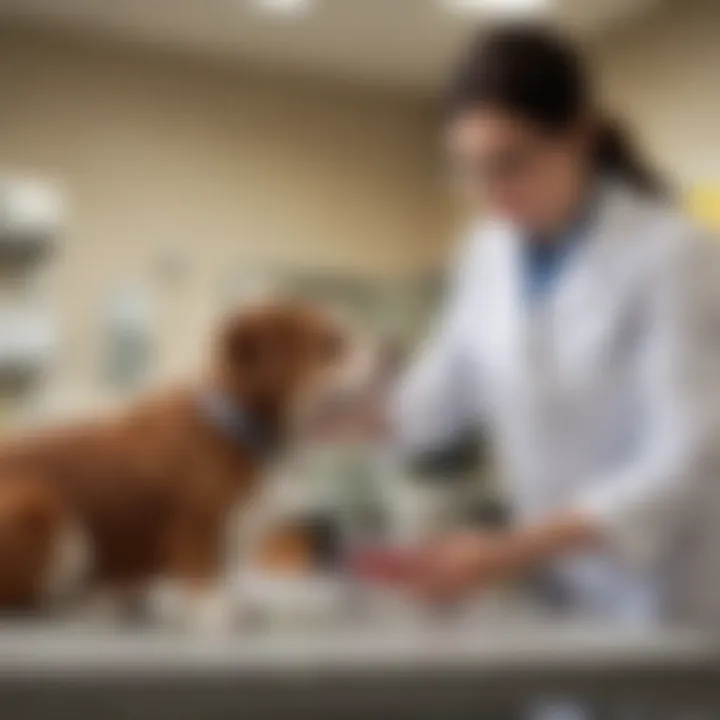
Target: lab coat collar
[(587, 276), (592, 262)]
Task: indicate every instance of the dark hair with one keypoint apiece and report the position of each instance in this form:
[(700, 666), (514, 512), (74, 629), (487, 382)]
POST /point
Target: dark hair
[(537, 74)]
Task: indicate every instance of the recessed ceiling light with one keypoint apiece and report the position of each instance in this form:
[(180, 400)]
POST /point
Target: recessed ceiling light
[(506, 7), (282, 7)]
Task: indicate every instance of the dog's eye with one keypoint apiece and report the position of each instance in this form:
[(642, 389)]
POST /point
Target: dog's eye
[(332, 346)]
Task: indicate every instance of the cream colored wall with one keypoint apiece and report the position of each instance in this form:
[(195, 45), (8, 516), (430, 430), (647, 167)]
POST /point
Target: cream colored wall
[(158, 151), (663, 73), (236, 167)]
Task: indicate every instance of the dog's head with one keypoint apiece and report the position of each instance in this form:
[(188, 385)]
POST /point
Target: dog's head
[(285, 362)]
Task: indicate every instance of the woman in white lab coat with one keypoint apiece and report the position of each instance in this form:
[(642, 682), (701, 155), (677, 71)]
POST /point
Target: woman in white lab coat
[(582, 333)]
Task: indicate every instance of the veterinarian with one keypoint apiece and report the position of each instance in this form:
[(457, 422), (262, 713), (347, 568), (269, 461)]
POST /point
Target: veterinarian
[(582, 333)]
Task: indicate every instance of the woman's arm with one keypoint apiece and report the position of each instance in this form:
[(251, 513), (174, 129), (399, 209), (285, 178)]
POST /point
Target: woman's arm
[(460, 563), (636, 509)]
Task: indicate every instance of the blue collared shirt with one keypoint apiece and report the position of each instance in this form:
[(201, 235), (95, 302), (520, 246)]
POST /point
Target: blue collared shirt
[(544, 261)]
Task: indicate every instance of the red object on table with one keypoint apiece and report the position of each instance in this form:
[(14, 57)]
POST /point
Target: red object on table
[(385, 565)]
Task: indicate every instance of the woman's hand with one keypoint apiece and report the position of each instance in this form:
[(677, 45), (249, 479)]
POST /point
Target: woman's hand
[(460, 564)]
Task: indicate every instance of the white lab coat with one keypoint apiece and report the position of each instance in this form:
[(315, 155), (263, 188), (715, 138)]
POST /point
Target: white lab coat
[(604, 397)]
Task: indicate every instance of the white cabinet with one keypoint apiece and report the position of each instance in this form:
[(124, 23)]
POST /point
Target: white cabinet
[(27, 342), (32, 213)]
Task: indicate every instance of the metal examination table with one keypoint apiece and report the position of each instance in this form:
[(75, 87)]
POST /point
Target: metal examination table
[(438, 672)]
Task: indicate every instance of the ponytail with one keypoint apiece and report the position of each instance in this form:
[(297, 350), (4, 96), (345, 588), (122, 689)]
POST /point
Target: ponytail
[(617, 157)]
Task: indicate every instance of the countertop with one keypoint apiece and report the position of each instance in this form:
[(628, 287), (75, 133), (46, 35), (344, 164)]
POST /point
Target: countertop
[(424, 671)]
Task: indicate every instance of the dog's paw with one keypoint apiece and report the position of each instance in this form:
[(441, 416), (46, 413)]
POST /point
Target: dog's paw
[(209, 611), (212, 614)]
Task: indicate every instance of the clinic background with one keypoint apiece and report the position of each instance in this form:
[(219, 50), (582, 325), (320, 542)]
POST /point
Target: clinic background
[(161, 162), (191, 151)]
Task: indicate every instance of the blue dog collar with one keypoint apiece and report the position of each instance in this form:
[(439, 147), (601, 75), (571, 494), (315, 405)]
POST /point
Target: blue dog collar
[(236, 423)]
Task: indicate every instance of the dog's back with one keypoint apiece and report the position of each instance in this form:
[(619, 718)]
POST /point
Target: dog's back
[(118, 484)]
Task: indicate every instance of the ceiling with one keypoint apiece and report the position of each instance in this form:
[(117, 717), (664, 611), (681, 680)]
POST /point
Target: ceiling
[(393, 42)]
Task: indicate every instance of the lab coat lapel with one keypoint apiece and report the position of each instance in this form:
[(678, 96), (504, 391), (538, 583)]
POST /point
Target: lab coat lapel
[(538, 349), (511, 317), (582, 307)]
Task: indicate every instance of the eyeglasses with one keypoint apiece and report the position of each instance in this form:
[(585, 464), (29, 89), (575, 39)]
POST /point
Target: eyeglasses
[(506, 166)]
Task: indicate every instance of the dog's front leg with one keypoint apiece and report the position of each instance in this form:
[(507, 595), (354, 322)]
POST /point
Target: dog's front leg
[(207, 609), (194, 592)]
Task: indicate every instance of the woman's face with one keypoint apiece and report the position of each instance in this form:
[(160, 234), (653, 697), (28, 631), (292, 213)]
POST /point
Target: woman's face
[(515, 170)]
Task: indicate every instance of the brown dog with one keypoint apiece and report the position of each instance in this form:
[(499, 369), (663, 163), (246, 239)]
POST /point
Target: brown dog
[(144, 501)]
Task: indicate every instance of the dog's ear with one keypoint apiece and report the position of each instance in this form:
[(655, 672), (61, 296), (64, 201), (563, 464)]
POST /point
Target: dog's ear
[(241, 344), (246, 345), (256, 351), (251, 367)]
